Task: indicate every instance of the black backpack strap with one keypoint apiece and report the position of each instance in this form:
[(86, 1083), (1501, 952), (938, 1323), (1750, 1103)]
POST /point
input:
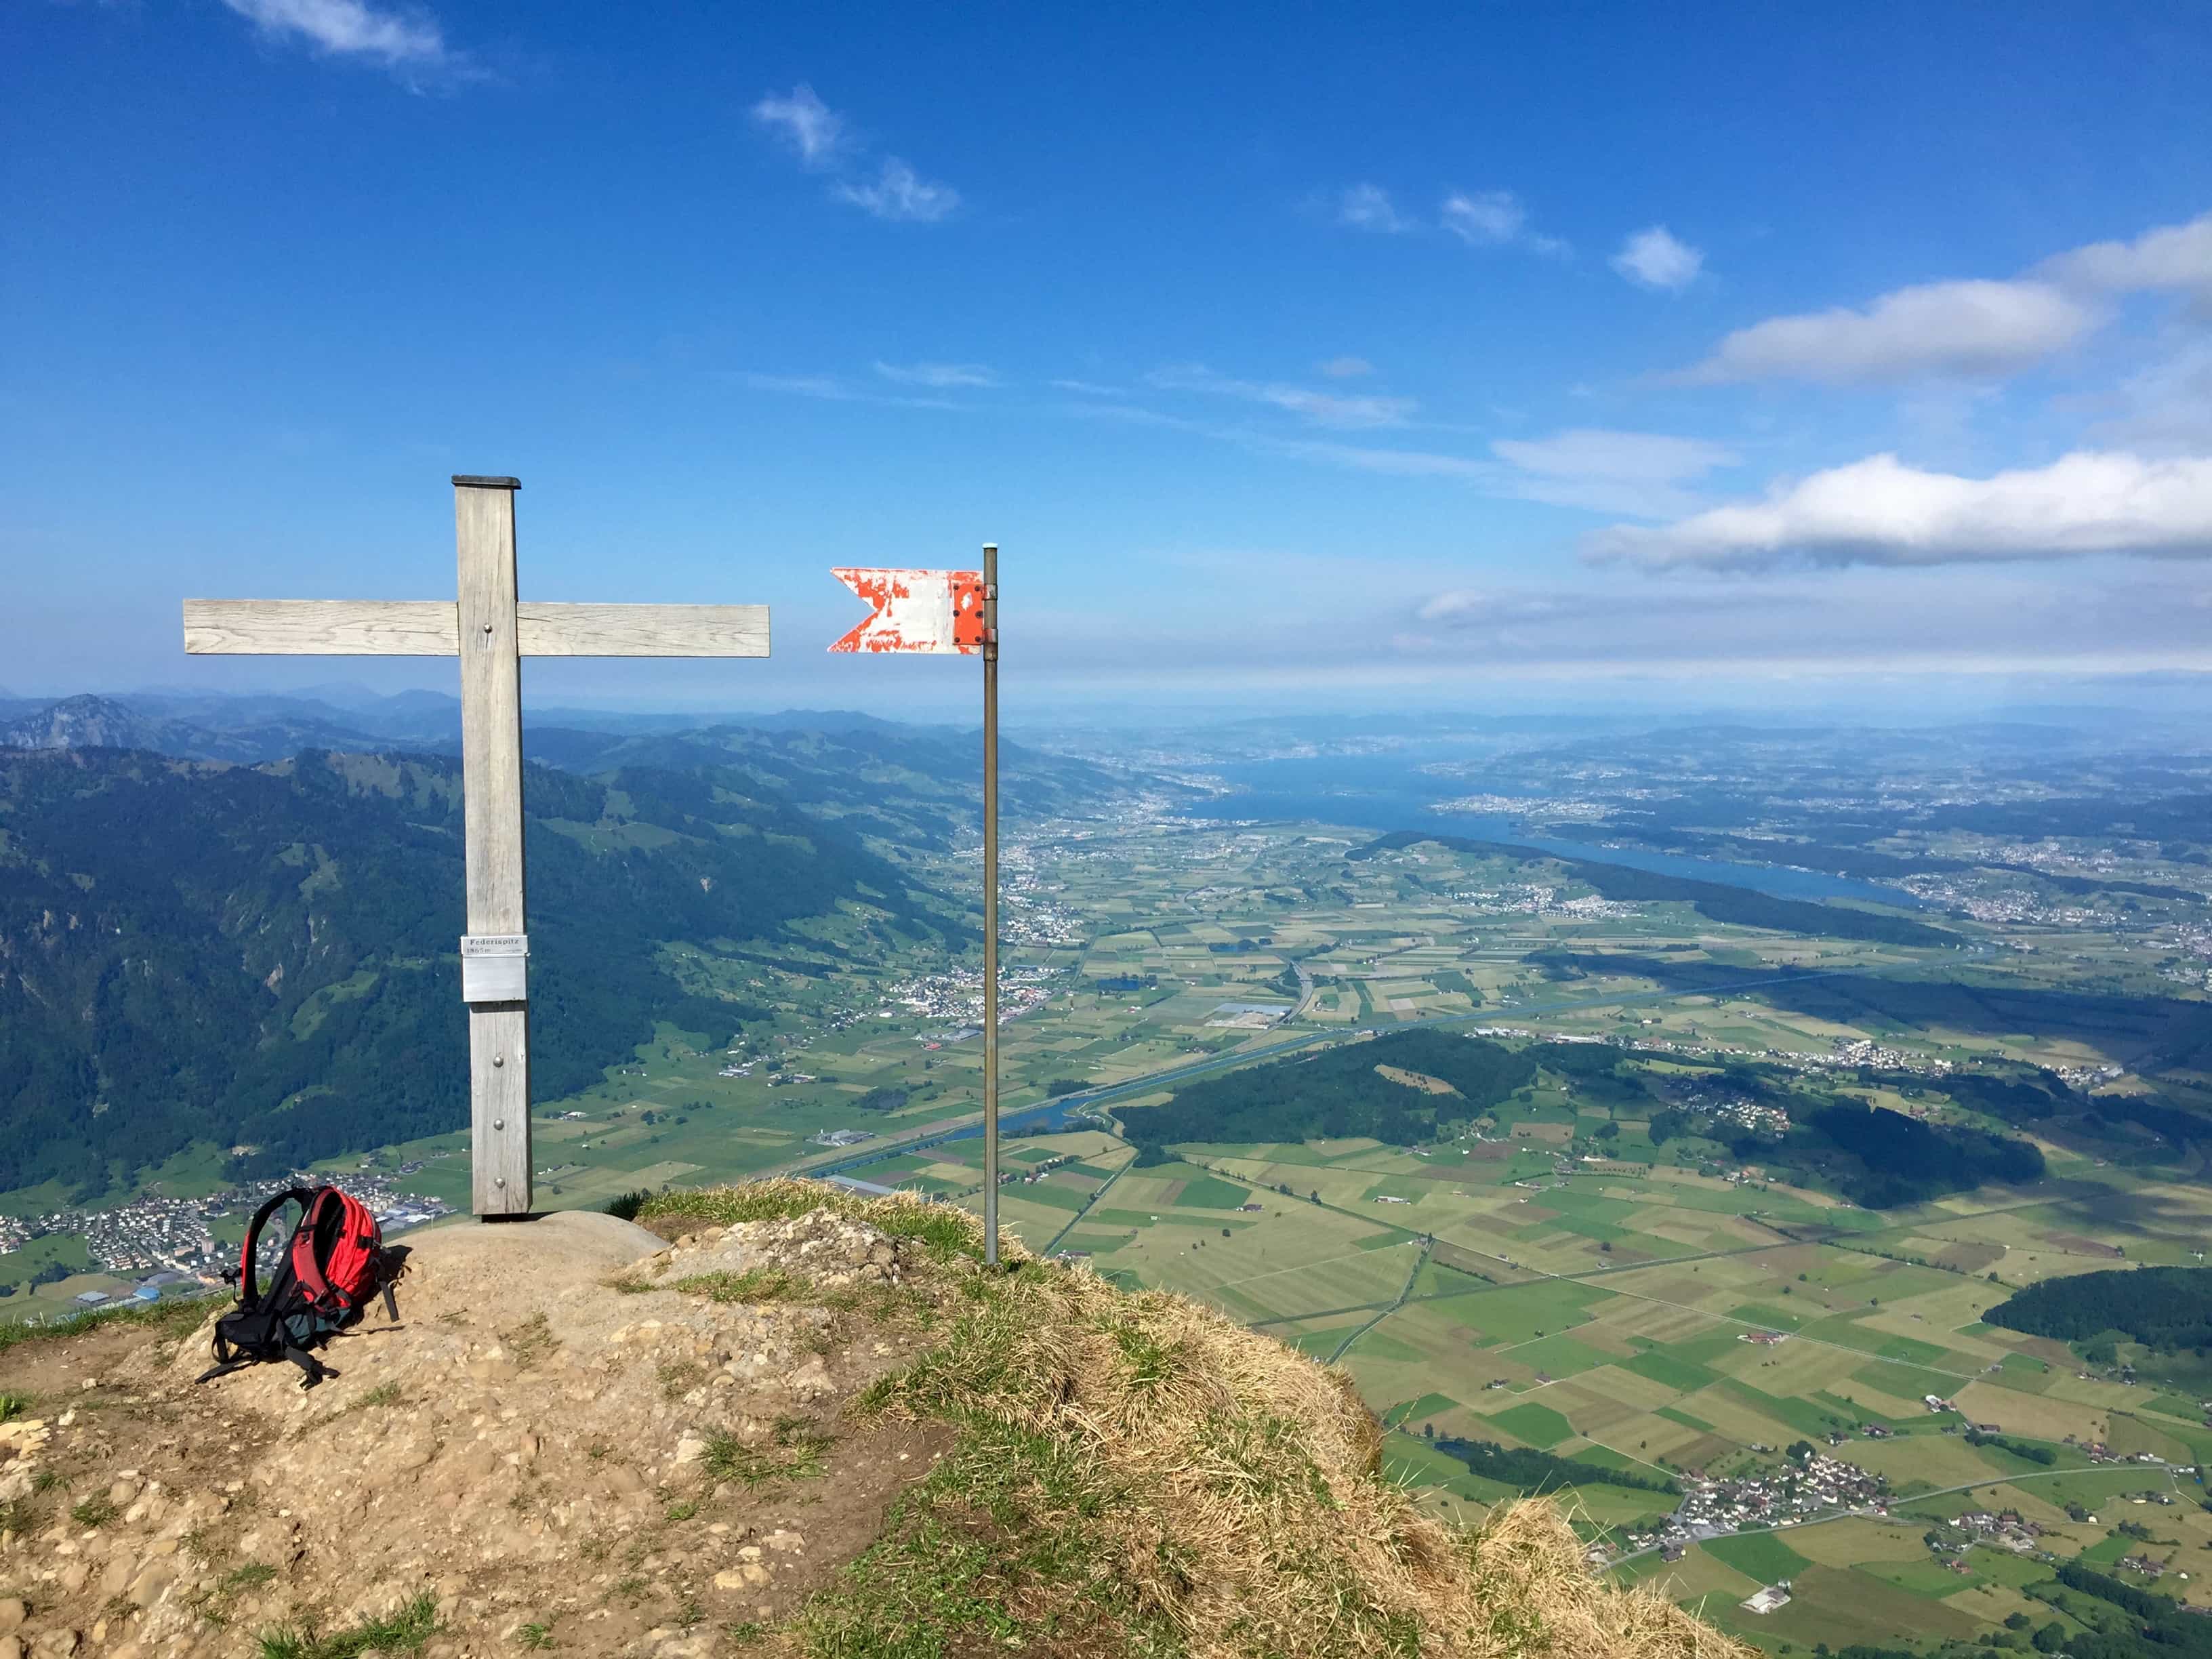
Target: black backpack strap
[(314, 1368), (249, 1288)]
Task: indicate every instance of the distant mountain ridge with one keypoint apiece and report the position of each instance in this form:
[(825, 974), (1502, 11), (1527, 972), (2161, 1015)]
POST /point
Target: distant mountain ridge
[(95, 722), (915, 785)]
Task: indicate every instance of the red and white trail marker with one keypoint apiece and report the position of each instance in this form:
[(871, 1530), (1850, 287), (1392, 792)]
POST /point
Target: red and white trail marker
[(954, 613), (937, 611)]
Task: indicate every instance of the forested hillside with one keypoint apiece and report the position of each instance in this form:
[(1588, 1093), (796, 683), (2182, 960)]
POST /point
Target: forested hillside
[(2168, 1309), (1340, 1091), (190, 952)]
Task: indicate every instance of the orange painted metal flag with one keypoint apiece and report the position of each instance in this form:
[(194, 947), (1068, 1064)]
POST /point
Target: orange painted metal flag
[(930, 610)]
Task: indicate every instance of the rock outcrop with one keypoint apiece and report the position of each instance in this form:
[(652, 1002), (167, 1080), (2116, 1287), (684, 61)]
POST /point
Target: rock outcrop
[(811, 1420)]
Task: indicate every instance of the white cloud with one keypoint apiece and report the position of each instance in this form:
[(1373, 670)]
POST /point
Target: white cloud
[(939, 374), (1970, 328), (1368, 207), (1345, 369), (1656, 259), (815, 132), (1470, 607), (2171, 257), (899, 193), (405, 42), (818, 136), (1493, 218), (1880, 512), (1090, 389), (1321, 407)]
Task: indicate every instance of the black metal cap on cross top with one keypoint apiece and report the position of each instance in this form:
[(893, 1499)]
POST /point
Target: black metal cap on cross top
[(490, 630)]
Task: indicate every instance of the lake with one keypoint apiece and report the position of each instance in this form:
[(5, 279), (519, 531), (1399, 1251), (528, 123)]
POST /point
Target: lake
[(1385, 792)]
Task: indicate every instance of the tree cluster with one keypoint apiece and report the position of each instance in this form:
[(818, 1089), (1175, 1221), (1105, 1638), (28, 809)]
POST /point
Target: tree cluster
[(1534, 1471), (1338, 1092), (2168, 1309)]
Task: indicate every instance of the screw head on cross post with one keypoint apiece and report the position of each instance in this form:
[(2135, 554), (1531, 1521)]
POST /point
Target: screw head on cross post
[(949, 613)]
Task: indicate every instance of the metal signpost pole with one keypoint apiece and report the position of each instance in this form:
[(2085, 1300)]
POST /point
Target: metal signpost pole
[(952, 613), (991, 905)]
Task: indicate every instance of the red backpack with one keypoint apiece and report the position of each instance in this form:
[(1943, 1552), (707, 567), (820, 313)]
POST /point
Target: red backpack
[(334, 1266)]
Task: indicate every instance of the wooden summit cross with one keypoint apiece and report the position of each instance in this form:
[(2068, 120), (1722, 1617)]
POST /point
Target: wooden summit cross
[(490, 631)]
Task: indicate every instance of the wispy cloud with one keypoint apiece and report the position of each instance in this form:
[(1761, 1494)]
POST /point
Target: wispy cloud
[(1090, 389), (1655, 258), (898, 193), (1493, 218), (829, 388), (1490, 218), (939, 374), (815, 132), (1369, 206), (1880, 512), (1346, 368), (1645, 474), (409, 43), (822, 142), (1319, 408)]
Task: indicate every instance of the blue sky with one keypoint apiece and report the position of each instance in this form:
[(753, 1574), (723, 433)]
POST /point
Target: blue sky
[(1310, 355)]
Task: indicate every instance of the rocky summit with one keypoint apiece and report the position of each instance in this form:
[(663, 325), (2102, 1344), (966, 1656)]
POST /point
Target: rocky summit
[(782, 1418)]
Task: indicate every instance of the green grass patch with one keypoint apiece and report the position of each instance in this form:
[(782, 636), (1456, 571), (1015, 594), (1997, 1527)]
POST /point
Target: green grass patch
[(1929, 1578), (792, 1451), (1770, 1315), (1913, 1352), (1800, 1414), (1560, 1356), (404, 1630), (1413, 1411), (1538, 1425), (1760, 1555), (1907, 1382), (1657, 1365), (1675, 1414), (753, 1284), (171, 1316)]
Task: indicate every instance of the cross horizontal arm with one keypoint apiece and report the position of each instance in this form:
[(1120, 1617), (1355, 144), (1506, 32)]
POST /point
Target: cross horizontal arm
[(641, 630), (429, 628), (319, 628)]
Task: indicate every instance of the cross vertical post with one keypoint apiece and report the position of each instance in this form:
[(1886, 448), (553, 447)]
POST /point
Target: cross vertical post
[(991, 904), (491, 793), (490, 630)]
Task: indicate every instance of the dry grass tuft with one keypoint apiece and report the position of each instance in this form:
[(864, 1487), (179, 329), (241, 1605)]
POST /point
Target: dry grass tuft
[(945, 1231), (1137, 1474)]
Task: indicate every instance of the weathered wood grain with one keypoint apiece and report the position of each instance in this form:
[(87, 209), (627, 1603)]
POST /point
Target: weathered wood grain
[(319, 628), (491, 786), (499, 1108), (642, 631)]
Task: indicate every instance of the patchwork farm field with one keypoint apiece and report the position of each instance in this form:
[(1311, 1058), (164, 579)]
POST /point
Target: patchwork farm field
[(1617, 1303)]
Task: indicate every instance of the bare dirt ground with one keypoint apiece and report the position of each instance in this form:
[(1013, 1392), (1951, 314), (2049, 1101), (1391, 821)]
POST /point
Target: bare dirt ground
[(554, 1447)]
